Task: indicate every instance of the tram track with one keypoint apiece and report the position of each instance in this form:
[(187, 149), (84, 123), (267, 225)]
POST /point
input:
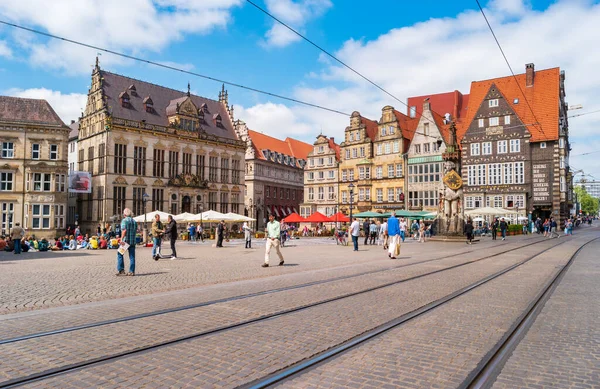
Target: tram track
[(108, 358), (248, 295), (482, 376)]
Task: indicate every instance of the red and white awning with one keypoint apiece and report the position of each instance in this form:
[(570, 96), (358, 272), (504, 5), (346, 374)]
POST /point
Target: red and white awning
[(276, 211)]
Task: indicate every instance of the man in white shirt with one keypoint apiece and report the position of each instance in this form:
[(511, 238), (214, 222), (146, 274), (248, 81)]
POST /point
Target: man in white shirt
[(402, 229), (383, 234), (355, 232)]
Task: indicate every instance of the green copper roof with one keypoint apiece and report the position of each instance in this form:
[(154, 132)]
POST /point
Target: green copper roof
[(433, 158)]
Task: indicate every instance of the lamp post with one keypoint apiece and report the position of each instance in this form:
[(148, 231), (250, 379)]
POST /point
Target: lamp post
[(145, 198), (351, 189)]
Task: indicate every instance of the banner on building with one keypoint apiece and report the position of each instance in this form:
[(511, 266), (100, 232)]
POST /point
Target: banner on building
[(80, 182)]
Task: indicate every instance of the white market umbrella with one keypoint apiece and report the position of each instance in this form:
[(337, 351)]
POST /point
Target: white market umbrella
[(488, 211), (210, 217), (184, 217), (478, 219), (234, 217), (522, 218), (150, 216)]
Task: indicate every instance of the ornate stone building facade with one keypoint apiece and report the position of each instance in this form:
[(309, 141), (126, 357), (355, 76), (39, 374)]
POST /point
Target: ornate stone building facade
[(321, 178), (274, 174), (33, 167), (145, 143)]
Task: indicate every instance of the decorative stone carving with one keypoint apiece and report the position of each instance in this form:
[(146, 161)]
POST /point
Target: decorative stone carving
[(158, 182), (188, 180), (120, 181), (139, 182)]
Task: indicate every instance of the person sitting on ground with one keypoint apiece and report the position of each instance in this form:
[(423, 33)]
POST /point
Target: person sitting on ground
[(84, 244), (64, 241), (2, 243), (72, 243), (57, 246), (25, 245), (103, 243), (93, 243), (43, 245), (114, 243), (10, 245)]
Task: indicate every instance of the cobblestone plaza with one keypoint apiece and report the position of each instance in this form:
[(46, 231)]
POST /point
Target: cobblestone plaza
[(214, 318)]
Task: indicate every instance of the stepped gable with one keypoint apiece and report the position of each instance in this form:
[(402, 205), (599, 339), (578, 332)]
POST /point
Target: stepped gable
[(17, 109), (164, 103)]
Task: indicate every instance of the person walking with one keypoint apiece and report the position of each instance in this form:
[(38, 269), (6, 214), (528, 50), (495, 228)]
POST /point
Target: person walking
[(553, 227), (273, 235), (372, 232), (200, 232), (383, 235), (247, 235), (354, 233), (171, 232), (469, 231), (16, 235), (421, 231), (403, 228), (128, 231), (503, 227), (157, 232), (192, 232), (366, 230), (495, 226), (220, 233), (394, 236)]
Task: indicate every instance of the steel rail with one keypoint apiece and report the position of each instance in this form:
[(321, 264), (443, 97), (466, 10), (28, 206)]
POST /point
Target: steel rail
[(39, 376), (230, 299), (324, 357), (486, 372)]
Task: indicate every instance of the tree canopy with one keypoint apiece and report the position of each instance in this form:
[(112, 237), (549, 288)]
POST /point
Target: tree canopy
[(589, 205)]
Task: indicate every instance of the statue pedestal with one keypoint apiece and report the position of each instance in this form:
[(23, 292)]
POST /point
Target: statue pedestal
[(451, 238)]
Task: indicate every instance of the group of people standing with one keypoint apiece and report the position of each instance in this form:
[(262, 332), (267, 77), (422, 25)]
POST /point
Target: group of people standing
[(390, 233)]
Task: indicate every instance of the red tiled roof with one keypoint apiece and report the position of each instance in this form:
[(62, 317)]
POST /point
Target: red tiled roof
[(408, 126), (17, 109), (543, 97), (454, 103), (335, 147), (290, 147), (371, 126)]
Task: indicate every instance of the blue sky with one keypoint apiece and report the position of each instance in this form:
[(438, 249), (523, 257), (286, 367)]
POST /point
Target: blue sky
[(410, 48)]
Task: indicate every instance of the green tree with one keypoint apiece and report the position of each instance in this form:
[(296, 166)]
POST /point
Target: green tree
[(589, 205)]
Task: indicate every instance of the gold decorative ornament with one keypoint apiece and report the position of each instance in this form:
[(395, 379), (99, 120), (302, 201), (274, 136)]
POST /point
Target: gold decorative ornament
[(453, 180)]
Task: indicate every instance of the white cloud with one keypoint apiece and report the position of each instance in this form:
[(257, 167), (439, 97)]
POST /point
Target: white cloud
[(440, 55), (294, 13), (5, 51), (131, 26), (67, 106)]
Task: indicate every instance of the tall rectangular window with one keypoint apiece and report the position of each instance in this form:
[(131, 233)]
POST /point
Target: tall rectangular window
[(35, 151), (158, 163), (59, 216), (390, 196), (100, 199), (474, 148), (351, 175), (224, 170), (235, 203), (515, 145), (235, 171), (59, 183), (54, 152), (173, 163), (200, 164), (481, 123), (120, 159), (158, 198), (224, 202), (187, 163), (502, 147), (101, 154), (118, 200), (321, 193), (508, 173), (212, 169), (399, 172), (486, 148), (139, 161), (519, 172), (506, 119), (379, 195), (91, 159), (138, 201), (81, 159), (390, 171), (212, 200)]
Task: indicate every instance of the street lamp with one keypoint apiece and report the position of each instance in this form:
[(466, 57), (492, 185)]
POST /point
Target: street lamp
[(351, 189), (145, 198)]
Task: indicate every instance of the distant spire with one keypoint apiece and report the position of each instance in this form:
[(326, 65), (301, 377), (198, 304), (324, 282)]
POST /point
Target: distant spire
[(188, 92)]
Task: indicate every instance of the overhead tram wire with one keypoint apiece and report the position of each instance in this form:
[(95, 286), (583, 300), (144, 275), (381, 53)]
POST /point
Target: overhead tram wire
[(583, 114), (172, 68), (339, 61), (510, 68)]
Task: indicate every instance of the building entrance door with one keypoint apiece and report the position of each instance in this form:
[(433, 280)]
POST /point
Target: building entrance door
[(186, 204), (7, 210)]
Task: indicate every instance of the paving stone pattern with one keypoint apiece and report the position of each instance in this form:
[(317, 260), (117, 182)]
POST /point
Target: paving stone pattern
[(440, 348), (239, 355), (562, 347)]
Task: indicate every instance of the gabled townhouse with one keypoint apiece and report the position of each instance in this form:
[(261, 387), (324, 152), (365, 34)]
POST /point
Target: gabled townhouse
[(321, 178), (515, 144)]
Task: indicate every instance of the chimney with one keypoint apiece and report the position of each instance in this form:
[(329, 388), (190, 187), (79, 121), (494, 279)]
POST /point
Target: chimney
[(529, 74), (426, 106), (72, 121), (455, 108)]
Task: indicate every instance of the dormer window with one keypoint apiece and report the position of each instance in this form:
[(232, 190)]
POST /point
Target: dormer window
[(201, 116), (132, 90), (286, 160), (217, 119), (204, 108), (148, 104), (124, 98), (266, 153)]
